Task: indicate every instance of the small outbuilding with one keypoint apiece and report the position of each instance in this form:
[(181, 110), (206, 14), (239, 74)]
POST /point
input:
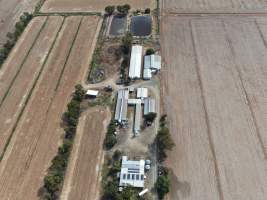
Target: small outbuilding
[(152, 62), (149, 106), (91, 93), (142, 93)]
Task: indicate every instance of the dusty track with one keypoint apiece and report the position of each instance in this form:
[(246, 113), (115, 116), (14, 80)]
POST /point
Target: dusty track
[(84, 171), (16, 95), (39, 132), (92, 5), (214, 89)]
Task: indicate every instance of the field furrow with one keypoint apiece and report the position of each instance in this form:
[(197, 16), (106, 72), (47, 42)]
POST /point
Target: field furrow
[(37, 141), (17, 95), (14, 62)]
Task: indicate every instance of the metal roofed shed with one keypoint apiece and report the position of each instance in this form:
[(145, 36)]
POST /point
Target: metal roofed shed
[(137, 119), (121, 106), (142, 93), (91, 93), (132, 173), (136, 62), (134, 101), (149, 106), (152, 62), (147, 75)]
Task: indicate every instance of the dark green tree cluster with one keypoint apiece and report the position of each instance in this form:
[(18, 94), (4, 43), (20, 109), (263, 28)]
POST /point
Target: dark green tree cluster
[(163, 140), (150, 51), (123, 68), (110, 139), (163, 185), (13, 37), (127, 42), (109, 10), (147, 11), (149, 118), (55, 176), (123, 9)]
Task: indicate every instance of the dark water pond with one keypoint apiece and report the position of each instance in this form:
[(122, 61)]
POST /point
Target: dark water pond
[(118, 25), (141, 25)]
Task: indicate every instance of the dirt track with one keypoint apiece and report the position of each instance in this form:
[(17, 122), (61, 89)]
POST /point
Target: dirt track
[(39, 133), (10, 11), (83, 175), (17, 93), (214, 89), (92, 5)]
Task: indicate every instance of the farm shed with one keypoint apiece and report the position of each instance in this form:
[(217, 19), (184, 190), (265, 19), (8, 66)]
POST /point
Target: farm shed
[(134, 101), (149, 106), (137, 119), (136, 62), (142, 93), (121, 106), (152, 62), (147, 75), (91, 93), (132, 173)]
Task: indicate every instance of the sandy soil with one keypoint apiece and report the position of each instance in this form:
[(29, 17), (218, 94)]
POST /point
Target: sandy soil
[(20, 88), (83, 176), (39, 131), (10, 11), (215, 70), (92, 5), (210, 6)]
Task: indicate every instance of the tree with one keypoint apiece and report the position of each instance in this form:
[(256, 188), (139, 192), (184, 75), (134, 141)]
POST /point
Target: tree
[(110, 141), (150, 117), (147, 11), (162, 186), (109, 10), (127, 42), (150, 51), (123, 9)]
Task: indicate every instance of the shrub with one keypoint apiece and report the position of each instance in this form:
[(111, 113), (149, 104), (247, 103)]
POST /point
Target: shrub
[(147, 11), (150, 117), (123, 9), (150, 51), (162, 186), (109, 10)]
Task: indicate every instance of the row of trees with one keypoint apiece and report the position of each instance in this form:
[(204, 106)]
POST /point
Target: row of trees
[(13, 37), (122, 9), (164, 143), (110, 139), (54, 179)]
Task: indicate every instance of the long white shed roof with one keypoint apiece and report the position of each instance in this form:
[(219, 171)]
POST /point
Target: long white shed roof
[(136, 62)]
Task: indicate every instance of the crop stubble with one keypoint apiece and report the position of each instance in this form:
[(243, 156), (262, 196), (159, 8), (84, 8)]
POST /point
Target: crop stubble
[(214, 86)]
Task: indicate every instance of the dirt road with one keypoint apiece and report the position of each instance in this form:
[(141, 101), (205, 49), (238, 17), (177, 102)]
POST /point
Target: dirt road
[(92, 5), (83, 175), (10, 11), (39, 131), (214, 89)]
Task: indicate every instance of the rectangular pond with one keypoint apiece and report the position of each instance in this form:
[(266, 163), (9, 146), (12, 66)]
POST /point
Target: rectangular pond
[(118, 25)]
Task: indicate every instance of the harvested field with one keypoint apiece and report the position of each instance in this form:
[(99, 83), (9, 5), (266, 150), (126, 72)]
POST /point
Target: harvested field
[(39, 130), (214, 86), (92, 5), (214, 6), (10, 11), (83, 175), (15, 96)]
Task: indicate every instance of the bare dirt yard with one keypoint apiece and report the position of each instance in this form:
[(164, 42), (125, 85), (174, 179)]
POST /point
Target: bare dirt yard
[(210, 6), (92, 5), (38, 134), (14, 96), (84, 172), (10, 11), (214, 87)]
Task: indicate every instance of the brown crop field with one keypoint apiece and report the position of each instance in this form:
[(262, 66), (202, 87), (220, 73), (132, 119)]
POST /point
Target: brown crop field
[(39, 132), (84, 171), (14, 96), (214, 6), (215, 94), (92, 5)]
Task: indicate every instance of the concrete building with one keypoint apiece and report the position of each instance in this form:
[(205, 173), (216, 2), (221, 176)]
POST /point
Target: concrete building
[(136, 62), (121, 106), (149, 106), (142, 93), (132, 173)]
